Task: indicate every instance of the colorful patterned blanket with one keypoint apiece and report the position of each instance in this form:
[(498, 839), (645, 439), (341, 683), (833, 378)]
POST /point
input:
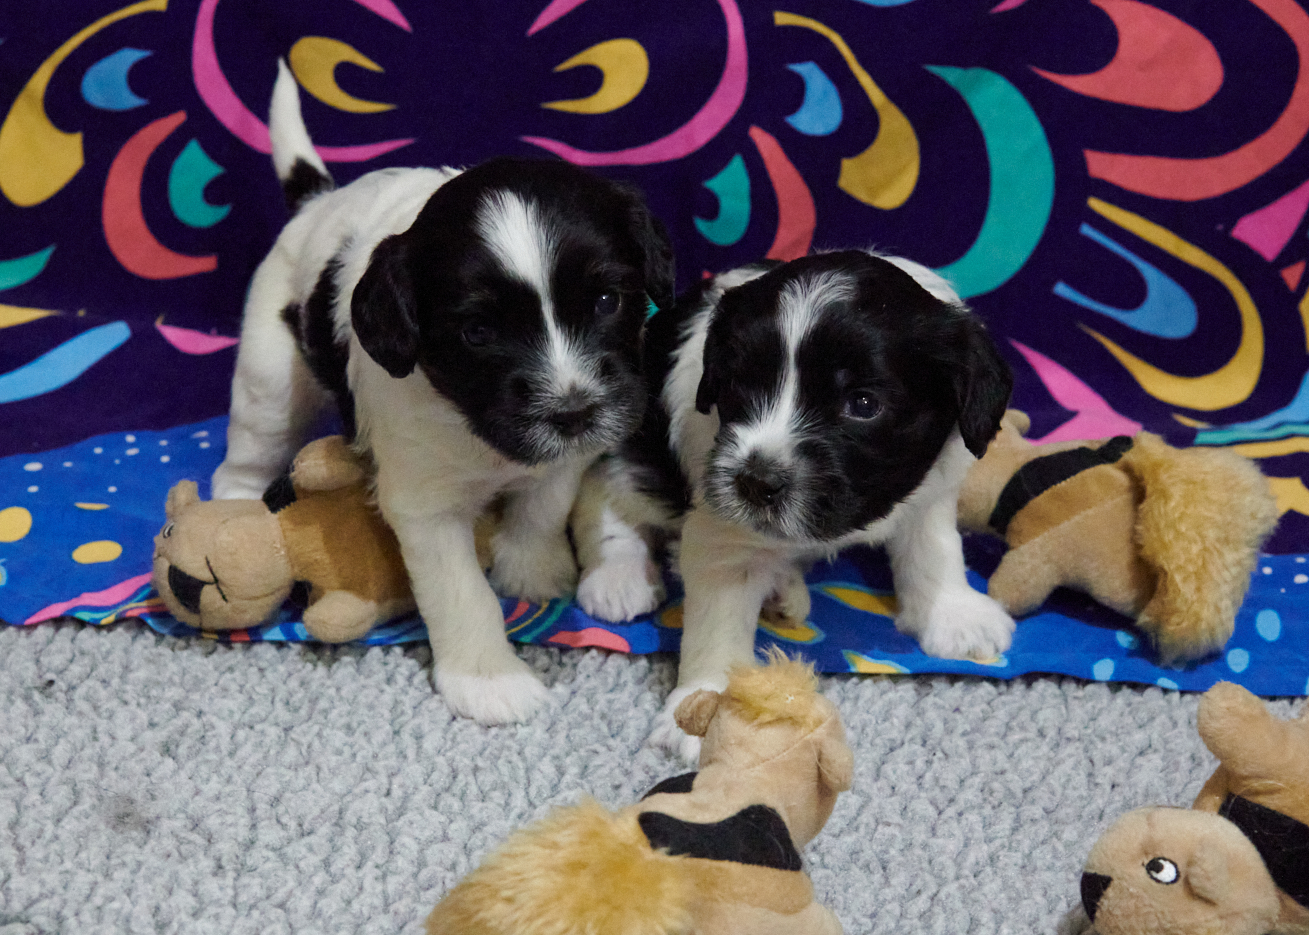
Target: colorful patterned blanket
[(1119, 187)]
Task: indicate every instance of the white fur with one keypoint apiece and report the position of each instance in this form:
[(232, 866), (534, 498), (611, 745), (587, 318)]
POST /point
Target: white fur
[(286, 128), (526, 248)]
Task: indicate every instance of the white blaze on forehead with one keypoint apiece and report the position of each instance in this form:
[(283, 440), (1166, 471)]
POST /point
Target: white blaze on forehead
[(772, 432), (526, 246)]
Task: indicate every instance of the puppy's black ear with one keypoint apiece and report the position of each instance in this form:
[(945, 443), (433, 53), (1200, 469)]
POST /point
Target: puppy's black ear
[(982, 384), (706, 394), (383, 310), (656, 248)]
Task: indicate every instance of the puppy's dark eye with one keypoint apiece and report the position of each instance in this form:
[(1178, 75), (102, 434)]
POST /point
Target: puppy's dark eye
[(862, 404), (478, 334), (606, 303), (167, 531)]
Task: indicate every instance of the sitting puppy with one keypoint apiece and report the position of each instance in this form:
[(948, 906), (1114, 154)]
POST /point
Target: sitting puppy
[(837, 399), (479, 330)]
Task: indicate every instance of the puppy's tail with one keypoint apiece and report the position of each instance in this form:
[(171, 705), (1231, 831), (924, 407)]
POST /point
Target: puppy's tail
[(300, 169)]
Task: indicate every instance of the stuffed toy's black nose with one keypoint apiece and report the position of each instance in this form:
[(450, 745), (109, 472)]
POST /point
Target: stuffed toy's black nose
[(1093, 887), (186, 588)]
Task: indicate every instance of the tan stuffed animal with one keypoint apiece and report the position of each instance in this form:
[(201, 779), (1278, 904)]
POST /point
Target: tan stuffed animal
[(711, 853), (229, 564), (1167, 536), (1238, 863)]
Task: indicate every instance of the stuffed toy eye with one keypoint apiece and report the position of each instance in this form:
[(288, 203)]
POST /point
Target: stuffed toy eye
[(1162, 870), (167, 531)]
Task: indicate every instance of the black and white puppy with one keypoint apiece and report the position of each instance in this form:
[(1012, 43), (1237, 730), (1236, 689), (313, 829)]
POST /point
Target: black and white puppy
[(796, 410), (480, 331)]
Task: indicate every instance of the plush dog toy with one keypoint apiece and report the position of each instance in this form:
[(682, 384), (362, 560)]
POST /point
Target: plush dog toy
[(1164, 535), (1238, 863), (711, 853), (229, 564)]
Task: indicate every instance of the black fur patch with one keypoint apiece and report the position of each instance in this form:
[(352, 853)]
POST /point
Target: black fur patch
[(304, 183), (280, 494), (678, 785), (299, 596), (1040, 474), (1281, 841), (755, 835), (313, 327)]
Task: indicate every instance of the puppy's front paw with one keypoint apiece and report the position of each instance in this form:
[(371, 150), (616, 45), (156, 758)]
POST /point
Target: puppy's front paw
[(667, 736), (509, 697), (239, 483), (960, 624), (790, 603), (537, 571), (619, 590)]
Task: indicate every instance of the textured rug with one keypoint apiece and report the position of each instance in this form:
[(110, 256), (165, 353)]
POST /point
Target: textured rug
[(161, 785)]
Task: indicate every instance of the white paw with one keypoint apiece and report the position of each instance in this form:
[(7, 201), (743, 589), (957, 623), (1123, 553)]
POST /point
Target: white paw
[(960, 624), (503, 698), (536, 571), (620, 589), (790, 601), (239, 483), (667, 736)]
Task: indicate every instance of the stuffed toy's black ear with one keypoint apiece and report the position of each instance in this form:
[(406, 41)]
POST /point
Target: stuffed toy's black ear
[(383, 310), (651, 236), (982, 384)]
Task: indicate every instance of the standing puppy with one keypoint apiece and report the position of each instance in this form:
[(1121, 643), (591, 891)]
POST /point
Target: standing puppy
[(803, 408), (479, 330)]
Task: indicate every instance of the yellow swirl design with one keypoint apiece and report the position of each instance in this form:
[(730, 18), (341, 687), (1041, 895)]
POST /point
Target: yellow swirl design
[(37, 159), (625, 68), (883, 175), (313, 60)]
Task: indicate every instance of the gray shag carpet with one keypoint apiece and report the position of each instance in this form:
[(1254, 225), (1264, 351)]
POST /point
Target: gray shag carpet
[(157, 785)]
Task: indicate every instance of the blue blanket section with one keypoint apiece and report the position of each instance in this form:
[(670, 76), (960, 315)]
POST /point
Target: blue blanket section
[(77, 523)]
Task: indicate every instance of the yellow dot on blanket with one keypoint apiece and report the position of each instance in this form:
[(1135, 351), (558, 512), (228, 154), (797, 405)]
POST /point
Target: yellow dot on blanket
[(91, 506), (671, 618), (862, 664), (861, 598), (798, 632), (103, 550), (15, 522)]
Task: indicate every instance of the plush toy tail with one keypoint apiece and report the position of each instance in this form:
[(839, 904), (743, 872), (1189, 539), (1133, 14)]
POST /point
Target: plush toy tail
[(1204, 514), (300, 169), (581, 869)]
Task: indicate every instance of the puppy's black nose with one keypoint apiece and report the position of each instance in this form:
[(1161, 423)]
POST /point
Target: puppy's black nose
[(573, 422), (1093, 887), (760, 484)]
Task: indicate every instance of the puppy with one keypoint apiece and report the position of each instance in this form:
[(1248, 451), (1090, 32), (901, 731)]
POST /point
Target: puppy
[(479, 330), (796, 410)]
